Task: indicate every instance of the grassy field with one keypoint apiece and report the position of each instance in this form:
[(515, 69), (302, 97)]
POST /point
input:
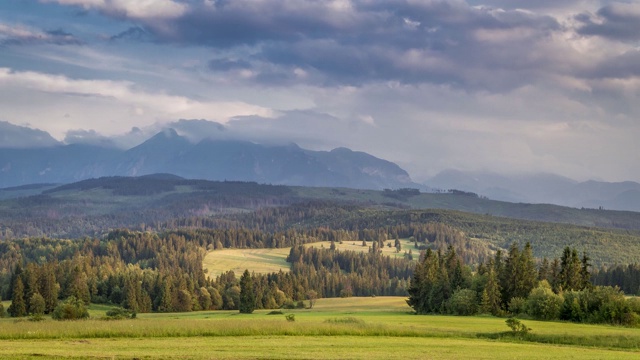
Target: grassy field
[(353, 328), (264, 261), (255, 260)]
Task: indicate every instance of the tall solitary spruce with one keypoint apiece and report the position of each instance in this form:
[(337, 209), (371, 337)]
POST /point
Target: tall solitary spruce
[(247, 297)]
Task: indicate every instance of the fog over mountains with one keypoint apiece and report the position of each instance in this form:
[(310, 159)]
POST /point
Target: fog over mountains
[(168, 152), (543, 188), (29, 156)]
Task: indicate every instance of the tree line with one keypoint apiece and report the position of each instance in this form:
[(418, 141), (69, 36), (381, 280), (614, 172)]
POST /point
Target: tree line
[(513, 283)]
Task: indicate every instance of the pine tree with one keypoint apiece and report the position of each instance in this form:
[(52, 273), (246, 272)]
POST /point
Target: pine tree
[(528, 273), (511, 274), (48, 287), (491, 297), (247, 296), (570, 277), (544, 271), (585, 274), (36, 304), (18, 306)]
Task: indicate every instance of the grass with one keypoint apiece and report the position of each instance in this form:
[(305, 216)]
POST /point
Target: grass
[(256, 260), (263, 261), (376, 328)]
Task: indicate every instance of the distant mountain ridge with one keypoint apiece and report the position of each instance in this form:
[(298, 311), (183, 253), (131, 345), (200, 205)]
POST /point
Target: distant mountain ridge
[(543, 188), (168, 152)]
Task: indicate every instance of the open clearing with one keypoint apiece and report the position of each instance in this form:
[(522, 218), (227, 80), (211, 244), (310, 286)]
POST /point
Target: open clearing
[(263, 261), (352, 328)]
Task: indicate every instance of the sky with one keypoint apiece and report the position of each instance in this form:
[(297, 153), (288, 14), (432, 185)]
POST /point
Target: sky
[(508, 86)]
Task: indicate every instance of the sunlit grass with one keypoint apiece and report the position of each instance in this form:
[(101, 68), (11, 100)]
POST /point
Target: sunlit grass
[(348, 328), (263, 261)]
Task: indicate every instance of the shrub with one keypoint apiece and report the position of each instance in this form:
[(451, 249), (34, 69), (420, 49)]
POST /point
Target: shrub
[(36, 304), (463, 302), (543, 303), (517, 328), (300, 304), (634, 304), (290, 317), (275, 312), (3, 313), (36, 317), (345, 320), (289, 305), (517, 305), (602, 304), (71, 309), (120, 313)]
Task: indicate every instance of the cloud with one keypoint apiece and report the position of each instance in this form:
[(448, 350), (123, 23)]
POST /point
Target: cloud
[(139, 9), (123, 100), (345, 42), (23, 35), (90, 137), (617, 21), (495, 84)]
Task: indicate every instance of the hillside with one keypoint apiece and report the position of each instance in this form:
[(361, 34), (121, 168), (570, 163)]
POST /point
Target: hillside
[(165, 202)]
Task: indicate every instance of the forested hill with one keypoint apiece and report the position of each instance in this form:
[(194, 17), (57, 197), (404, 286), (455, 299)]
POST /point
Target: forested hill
[(158, 202)]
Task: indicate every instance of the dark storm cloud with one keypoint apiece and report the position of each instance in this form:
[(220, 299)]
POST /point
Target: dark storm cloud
[(616, 21), (444, 42)]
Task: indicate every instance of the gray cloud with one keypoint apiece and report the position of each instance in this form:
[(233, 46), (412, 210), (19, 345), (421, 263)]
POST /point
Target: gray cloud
[(442, 42), (90, 137), (618, 21), (22, 35)]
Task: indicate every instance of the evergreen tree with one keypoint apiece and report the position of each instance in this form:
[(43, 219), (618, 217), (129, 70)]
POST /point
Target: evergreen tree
[(585, 274), (544, 272), (247, 296), (18, 306), (529, 274), (36, 304), (570, 277), (49, 288), (554, 275), (491, 295), (511, 274)]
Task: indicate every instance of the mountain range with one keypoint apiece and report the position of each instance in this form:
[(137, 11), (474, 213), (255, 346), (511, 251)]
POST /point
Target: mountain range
[(543, 189), (168, 152), (30, 156)]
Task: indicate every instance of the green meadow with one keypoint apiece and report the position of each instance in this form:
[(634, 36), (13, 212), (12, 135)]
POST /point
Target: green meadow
[(263, 261), (351, 328)]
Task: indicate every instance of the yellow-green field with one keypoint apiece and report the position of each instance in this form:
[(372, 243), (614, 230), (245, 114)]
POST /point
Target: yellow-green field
[(264, 261), (353, 328), (261, 261)]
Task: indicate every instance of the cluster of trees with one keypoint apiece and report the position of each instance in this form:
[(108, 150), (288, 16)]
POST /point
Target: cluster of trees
[(626, 277), (145, 272), (140, 271), (560, 289)]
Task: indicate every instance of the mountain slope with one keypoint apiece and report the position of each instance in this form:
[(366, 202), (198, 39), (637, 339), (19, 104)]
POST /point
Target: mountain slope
[(168, 152), (543, 189), (20, 137)]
